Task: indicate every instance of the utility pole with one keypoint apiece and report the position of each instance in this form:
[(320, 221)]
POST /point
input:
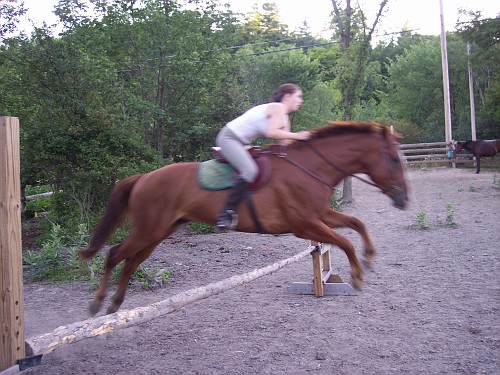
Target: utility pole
[(446, 82), (471, 94)]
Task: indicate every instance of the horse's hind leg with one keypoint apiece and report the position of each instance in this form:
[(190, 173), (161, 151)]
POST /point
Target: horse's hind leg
[(335, 219), (131, 264), (111, 263), (478, 164)]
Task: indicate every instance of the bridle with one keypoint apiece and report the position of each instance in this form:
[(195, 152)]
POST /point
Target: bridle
[(392, 191)]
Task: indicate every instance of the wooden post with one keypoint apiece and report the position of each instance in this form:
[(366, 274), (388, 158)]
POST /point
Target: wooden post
[(324, 281), (12, 345)]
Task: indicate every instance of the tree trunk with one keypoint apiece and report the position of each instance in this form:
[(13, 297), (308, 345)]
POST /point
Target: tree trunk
[(351, 76)]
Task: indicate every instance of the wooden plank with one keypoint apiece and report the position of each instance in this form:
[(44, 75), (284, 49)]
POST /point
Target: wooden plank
[(337, 288), (317, 274), (424, 150), (432, 144), (429, 157), (11, 275), (430, 161), (325, 275), (37, 196), (327, 264)]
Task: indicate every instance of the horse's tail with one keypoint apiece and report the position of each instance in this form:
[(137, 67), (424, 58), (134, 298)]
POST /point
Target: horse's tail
[(114, 214)]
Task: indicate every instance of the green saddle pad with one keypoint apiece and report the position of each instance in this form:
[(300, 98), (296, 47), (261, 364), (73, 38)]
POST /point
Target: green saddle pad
[(213, 175)]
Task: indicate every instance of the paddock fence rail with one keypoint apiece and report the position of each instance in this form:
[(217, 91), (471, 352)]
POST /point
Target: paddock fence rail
[(434, 153)]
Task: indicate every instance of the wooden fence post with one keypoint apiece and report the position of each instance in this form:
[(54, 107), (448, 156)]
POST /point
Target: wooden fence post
[(12, 343)]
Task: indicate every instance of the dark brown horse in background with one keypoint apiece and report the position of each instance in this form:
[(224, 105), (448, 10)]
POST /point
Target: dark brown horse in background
[(479, 148), (295, 200)]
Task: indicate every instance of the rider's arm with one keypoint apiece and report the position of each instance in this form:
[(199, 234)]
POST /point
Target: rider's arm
[(279, 126)]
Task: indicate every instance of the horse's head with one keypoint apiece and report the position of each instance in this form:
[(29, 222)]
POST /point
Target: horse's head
[(464, 145), (389, 171), (459, 147), (371, 149)]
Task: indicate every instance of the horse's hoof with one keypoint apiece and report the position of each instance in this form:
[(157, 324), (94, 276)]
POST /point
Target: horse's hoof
[(357, 283), (94, 308), (112, 309), (367, 264)]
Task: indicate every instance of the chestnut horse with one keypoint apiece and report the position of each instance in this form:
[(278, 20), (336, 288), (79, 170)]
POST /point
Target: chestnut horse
[(479, 148), (295, 200)]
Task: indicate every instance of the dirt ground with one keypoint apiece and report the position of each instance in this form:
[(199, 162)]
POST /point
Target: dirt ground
[(431, 305)]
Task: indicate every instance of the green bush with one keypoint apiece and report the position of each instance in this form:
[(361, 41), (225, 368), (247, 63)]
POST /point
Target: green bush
[(200, 228), (57, 261)]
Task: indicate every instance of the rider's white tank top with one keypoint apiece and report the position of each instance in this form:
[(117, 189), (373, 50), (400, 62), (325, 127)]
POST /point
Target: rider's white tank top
[(251, 124)]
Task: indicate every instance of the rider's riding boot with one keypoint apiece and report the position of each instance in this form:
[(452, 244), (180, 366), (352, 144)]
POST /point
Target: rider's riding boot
[(228, 219)]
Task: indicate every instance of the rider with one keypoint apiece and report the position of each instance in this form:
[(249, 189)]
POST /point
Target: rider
[(269, 120)]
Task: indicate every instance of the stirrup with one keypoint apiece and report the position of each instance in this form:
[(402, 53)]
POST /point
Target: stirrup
[(227, 220)]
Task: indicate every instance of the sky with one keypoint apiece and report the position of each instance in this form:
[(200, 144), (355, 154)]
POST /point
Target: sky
[(423, 16)]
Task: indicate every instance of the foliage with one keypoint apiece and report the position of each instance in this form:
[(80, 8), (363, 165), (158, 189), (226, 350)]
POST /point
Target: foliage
[(201, 228), (40, 205), (421, 219), (415, 92), (450, 216), (355, 36), (336, 200), (10, 11), (127, 86), (57, 261), (262, 70), (53, 261), (483, 35)]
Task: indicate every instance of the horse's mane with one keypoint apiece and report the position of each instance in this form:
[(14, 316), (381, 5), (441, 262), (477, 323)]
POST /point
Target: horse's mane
[(336, 128), (346, 127)]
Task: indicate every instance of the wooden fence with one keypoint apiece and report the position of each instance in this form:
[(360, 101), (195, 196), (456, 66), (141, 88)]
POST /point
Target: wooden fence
[(433, 153)]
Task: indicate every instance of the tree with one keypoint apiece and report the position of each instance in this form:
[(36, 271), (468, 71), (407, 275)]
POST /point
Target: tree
[(10, 12), (483, 35), (351, 29), (355, 36), (73, 134), (263, 25), (415, 92)]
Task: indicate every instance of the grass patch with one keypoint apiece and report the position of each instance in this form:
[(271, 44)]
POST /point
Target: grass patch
[(200, 228), (58, 262)]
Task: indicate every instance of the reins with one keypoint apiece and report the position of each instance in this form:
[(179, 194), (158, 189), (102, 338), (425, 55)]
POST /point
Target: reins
[(337, 167), (284, 155)]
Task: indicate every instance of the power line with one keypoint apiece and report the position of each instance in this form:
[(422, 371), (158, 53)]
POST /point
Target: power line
[(385, 34)]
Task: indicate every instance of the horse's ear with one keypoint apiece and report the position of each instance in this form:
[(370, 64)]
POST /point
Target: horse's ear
[(397, 137)]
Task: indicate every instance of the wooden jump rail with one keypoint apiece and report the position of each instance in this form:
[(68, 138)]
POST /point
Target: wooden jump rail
[(100, 325), (324, 281)]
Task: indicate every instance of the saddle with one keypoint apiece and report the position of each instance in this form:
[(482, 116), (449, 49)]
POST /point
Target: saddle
[(218, 174)]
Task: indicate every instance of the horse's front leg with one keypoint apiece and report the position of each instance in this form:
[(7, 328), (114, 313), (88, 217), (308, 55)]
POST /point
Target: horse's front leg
[(478, 164), (319, 232), (335, 219)]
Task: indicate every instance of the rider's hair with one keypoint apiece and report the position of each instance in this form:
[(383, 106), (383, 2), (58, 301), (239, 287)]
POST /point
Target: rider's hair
[(286, 88)]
